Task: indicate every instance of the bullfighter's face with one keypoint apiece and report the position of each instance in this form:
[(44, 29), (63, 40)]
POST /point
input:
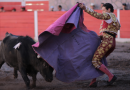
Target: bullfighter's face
[(104, 10)]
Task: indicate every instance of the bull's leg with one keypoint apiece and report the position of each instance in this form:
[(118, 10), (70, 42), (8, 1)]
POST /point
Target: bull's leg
[(1, 59), (15, 73), (1, 62), (24, 76), (34, 81)]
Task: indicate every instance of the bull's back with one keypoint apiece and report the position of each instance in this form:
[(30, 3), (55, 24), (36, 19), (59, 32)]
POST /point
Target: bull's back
[(21, 55), (9, 53)]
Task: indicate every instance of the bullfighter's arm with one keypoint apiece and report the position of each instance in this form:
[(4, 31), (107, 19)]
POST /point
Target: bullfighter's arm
[(104, 16)]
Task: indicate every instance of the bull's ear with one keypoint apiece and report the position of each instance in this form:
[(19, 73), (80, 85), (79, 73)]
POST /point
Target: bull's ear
[(6, 33)]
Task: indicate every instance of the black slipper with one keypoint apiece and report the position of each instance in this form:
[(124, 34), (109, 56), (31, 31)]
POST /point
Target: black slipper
[(112, 81), (93, 85)]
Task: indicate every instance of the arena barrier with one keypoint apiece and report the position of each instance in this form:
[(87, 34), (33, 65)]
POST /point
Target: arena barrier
[(33, 23)]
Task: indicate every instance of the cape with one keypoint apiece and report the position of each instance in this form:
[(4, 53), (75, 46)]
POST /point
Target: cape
[(68, 46)]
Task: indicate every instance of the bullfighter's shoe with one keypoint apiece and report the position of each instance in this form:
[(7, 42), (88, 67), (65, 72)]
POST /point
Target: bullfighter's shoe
[(93, 85), (112, 81)]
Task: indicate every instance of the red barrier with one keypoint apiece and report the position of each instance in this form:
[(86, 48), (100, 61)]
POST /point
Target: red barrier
[(22, 23), (34, 5), (18, 23), (46, 19), (125, 24)]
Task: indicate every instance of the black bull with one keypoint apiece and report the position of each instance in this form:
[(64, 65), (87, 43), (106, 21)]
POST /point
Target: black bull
[(24, 59)]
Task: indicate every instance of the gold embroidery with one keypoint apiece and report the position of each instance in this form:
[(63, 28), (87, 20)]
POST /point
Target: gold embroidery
[(114, 19), (109, 26), (102, 50), (109, 30), (106, 49), (99, 52), (103, 45), (109, 45), (104, 16), (110, 41), (106, 36), (87, 10)]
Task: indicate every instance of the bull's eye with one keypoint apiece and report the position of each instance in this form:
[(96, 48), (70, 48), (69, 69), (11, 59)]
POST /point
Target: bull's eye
[(45, 65)]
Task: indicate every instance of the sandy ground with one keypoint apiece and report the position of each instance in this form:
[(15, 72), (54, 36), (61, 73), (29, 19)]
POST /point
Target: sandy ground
[(118, 64)]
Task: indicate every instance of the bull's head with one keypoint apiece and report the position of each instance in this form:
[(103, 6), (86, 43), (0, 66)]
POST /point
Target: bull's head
[(7, 34), (10, 34), (46, 70)]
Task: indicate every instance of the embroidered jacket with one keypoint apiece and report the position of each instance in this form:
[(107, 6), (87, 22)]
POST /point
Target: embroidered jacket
[(110, 23)]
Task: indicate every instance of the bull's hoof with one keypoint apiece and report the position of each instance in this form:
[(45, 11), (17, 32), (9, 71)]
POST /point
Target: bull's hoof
[(27, 88), (32, 86), (15, 76)]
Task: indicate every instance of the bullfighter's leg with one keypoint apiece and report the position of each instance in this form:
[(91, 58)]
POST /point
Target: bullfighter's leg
[(15, 73), (93, 83), (107, 45), (23, 72)]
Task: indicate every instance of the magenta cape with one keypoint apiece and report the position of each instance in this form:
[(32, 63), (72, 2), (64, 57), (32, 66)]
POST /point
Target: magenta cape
[(68, 46)]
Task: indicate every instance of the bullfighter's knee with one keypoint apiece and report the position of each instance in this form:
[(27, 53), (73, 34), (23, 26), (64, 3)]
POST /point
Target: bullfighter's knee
[(96, 63)]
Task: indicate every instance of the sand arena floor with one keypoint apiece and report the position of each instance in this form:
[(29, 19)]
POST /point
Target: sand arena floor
[(118, 64)]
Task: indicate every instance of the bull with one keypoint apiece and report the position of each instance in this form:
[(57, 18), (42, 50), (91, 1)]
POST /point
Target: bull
[(23, 58)]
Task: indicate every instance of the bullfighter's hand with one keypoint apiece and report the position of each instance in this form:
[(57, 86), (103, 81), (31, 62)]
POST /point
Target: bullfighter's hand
[(82, 6), (101, 37)]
